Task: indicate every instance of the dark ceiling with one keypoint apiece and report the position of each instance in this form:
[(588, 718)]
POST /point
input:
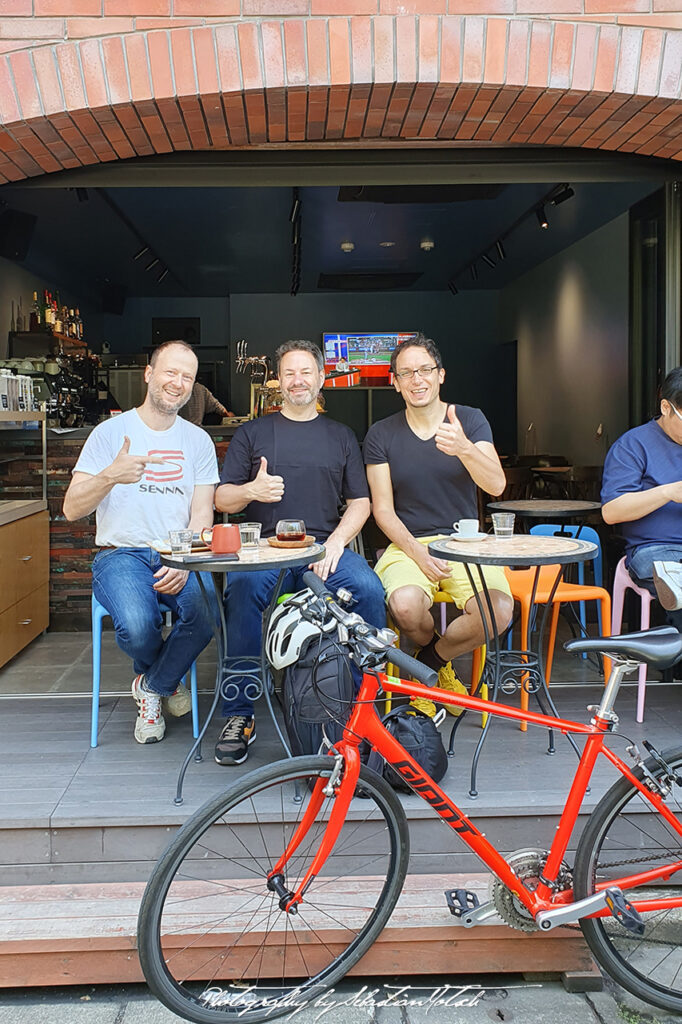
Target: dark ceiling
[(216, 241)]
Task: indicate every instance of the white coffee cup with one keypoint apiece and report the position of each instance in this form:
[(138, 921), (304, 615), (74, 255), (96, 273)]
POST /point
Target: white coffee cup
[(466, 527)]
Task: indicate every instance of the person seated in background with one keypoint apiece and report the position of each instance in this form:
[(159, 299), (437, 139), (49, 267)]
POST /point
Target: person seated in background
[(423, 466), (201, 404), (144, 473), (292, 464), (642, 494)]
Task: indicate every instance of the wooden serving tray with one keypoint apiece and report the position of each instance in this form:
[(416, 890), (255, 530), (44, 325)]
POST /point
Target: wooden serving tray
[(305, 543)]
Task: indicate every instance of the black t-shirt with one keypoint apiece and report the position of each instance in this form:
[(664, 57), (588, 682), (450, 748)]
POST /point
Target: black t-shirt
[(319, 460), (431, 490)]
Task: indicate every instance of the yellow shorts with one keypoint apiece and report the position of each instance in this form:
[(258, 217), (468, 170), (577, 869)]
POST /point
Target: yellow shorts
[(395, 569)]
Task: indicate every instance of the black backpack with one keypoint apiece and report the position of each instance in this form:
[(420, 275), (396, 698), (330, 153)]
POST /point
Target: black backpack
[(317, 691), (417, 733)]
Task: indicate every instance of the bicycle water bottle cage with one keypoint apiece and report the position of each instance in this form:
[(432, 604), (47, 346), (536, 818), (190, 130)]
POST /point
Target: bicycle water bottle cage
[(624, 912), (461, 901)]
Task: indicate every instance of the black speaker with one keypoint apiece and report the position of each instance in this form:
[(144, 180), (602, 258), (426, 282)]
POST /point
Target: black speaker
[(113, 299), (16, 231)]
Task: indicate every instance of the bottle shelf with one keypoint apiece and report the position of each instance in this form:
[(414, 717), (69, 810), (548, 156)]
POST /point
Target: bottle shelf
[(22, 417)]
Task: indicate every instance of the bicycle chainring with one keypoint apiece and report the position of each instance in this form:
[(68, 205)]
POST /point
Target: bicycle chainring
[(528, 865)]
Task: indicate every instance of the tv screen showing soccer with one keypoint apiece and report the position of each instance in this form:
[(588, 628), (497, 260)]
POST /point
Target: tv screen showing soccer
[(363, 349)]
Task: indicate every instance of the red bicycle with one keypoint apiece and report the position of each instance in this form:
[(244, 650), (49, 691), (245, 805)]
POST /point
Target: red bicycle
[(274, 889)]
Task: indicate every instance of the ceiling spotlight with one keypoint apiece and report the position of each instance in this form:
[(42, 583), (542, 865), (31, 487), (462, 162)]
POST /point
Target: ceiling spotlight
[(474, 272), (163, 274), (427, 244), (500, 249), (453, 287), (386, 245), (542, 217), (152, 263), (347, 246), (141, 252), (82, 195), (487, 259), (564, 193)]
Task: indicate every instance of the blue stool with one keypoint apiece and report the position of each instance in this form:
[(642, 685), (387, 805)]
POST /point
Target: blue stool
[(586, 533), (99, 612)]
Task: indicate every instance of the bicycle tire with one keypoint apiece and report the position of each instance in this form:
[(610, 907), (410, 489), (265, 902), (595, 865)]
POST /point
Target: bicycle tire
[(625, 835), (212, 875)]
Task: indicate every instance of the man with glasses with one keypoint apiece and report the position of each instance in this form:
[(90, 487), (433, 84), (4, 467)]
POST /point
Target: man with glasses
[(642, 493), (423, 466)]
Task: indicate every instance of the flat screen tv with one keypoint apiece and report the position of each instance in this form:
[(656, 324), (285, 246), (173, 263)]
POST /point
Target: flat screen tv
[(370, 351)]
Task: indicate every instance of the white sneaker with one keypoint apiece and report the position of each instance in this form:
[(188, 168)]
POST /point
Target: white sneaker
[(179, 703), (150, 726), (668, 583)]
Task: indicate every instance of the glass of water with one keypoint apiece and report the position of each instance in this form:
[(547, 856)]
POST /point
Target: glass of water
[(503, 524), (249, 535), (180, 542)]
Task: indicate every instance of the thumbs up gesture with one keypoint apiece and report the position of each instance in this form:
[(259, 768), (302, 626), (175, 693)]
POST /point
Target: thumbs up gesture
[(450, 437), (266, 487), (127, 468)]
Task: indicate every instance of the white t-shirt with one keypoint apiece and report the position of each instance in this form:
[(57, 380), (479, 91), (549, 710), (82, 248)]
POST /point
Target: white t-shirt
[(134, 515)]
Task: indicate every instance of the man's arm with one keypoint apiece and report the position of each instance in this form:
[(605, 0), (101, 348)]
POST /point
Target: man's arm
[(383, 509), (350, 524), (637, 504), (213, 405), (171, 581), (85, 491), (479, 458), (264, 487)]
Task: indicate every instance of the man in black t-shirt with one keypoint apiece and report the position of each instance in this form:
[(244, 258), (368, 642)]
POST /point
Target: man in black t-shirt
[(423, 466), (293, 464)]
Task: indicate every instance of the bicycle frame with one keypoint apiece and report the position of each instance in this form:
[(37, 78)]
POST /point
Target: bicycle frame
[(364, 724)]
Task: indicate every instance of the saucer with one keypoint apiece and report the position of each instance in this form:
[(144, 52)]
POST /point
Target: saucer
[(470, 539)]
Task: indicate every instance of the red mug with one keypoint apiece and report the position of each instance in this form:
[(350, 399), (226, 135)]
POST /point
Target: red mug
[(224, 538)]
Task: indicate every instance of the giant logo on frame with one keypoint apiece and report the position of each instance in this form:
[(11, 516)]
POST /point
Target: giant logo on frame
[(172, 469)]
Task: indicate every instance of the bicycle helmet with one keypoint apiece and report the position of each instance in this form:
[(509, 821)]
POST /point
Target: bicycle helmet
[(288, 632)]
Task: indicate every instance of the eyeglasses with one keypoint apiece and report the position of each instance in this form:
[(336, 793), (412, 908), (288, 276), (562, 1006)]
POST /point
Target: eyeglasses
[(421, 371), (676, 411)]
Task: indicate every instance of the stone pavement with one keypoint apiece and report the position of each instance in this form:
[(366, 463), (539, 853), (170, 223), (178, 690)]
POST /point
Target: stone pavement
[(456, 999)]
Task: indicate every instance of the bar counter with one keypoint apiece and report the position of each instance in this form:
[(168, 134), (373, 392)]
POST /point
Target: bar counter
[(72, 545)]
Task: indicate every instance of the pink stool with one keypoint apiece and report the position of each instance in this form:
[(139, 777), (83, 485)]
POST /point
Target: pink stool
[(622, 582)]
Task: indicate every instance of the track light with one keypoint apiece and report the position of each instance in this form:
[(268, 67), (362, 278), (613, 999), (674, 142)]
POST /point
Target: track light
[(142, 252), (500, 249), (474, 272), (163, 274), (487, 259), (82, 195), (453, 287), (564, 193), (152, 263), (295, 209), (542, 217)]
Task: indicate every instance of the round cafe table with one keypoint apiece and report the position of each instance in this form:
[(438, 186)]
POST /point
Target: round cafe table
[(546, 508), (510, 670), (232, 666)]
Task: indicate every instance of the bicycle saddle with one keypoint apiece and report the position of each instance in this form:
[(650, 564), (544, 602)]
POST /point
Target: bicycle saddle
[(660, 648)]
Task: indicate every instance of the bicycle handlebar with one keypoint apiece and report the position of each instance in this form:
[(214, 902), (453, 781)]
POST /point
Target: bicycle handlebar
[(362, 631)]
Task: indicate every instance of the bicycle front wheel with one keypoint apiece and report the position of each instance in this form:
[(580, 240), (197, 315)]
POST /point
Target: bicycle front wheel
[(626, 836), (213, 942)]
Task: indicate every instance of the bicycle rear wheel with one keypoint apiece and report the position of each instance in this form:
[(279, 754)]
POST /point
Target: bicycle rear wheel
[(625, 836), (213, 942)]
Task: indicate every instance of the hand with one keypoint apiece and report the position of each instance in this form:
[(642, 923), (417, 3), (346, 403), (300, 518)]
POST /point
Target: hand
[(435, 569), (674, 491), (265, 487), (127, 468), (450, 437), (171, 581), (333, 549)]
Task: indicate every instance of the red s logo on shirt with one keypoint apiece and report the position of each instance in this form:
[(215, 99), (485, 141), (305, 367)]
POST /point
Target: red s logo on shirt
[(172, 469)]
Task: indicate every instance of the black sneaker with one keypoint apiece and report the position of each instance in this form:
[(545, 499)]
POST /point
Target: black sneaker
[(232, 747)]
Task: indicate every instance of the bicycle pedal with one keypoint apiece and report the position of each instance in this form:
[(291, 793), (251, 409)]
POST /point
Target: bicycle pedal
[(461, 901), (624, 912)]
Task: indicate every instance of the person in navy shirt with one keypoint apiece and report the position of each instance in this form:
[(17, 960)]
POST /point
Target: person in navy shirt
[(642, 494)]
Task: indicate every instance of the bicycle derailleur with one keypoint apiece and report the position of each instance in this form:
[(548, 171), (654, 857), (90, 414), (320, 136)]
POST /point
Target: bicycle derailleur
[(528, 865)]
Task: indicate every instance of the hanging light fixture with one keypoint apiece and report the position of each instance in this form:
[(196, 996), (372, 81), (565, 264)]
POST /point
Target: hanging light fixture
[(542, 217)]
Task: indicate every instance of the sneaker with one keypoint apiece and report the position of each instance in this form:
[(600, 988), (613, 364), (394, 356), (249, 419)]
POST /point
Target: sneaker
[(179, 703), (238, 733), (447, 680), (668, 583), (150, 726)]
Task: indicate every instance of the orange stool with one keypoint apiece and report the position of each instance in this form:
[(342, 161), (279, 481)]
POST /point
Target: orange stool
[(521, 585)]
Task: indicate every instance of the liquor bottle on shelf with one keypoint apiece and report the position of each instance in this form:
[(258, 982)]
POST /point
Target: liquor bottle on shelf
[(58, 323), (20, 318), (71, 324), (78, 325), (12, 322), (34, 317)]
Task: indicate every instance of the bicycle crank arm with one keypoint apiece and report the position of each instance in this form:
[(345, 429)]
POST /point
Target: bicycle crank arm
[(548, 919), (477, 915)]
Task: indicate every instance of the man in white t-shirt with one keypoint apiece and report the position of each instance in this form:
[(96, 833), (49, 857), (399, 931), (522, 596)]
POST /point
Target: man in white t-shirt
[(144, 473)]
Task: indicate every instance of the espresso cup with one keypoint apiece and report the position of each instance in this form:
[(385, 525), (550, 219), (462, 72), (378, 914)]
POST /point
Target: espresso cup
[(466, 527), (223, 539)]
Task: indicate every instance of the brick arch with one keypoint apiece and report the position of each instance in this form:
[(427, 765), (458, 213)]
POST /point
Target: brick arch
[(358, 80)]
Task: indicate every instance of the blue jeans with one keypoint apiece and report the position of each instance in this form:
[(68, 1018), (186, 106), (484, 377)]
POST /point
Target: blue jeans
[(641, 566), (122, 580), (248, 594)]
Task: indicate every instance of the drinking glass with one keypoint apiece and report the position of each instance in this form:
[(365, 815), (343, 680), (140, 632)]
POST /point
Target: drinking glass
[(249, 534), (503, 524), (180, 542), (290, 529)]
